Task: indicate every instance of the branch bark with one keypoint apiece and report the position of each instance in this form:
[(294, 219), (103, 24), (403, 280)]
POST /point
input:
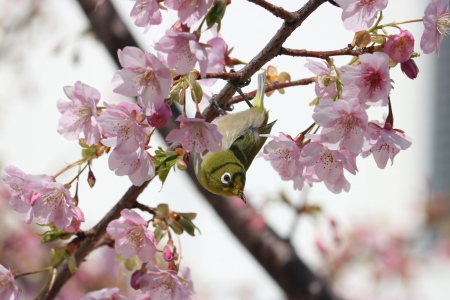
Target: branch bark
[(275, 254)]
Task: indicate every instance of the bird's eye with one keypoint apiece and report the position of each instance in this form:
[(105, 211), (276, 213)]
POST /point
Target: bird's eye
[(226, 178)]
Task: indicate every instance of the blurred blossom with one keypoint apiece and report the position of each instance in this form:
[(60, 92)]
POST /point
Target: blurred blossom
[(8, 288), (189, 11), (436, 20), (360, 14), (146, 13)]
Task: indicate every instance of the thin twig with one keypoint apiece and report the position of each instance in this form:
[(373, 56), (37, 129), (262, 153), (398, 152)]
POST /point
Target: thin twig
[(277, 11), (327, 54)]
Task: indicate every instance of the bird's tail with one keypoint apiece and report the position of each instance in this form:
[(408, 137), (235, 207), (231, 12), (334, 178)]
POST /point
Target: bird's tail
[(258, 101)]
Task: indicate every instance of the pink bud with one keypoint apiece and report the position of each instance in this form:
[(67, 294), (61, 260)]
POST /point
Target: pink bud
[(399, 47), (167, 253), (134, 278), (410, 68), (159, 118)]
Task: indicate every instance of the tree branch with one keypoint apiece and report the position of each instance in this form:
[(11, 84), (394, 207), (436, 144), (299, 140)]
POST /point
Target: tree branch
[(275, 10), (326, 54), (275, 254)]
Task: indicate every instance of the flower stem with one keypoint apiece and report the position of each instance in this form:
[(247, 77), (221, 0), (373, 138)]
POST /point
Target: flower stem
[(34, 272), (78, 162)]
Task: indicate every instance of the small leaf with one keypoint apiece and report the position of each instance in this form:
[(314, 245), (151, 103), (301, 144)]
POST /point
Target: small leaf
[(163, 210), (190, 216), (215, 14), (176, 227), (131, 263), (159, 234), (52, 236), (188, 225), (57, 256), (72, 264), (196, 89)]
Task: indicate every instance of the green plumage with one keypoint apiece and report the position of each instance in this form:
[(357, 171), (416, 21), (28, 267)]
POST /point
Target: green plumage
[(224, 172)]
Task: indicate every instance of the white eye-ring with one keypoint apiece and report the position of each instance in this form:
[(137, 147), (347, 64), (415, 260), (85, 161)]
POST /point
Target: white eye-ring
[(226, 178)]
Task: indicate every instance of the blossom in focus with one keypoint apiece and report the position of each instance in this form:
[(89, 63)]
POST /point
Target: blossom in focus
[(158, 117), (105, 294), (132, 236), (124, 128), (164, 284), (8, 287), (436, 21), (137, 165), (283, 154), (326, 78), (146, 13), (410, 68), (329, 164), (370, 81), (196, 134), (189, 11), (400, 46), (143, 76), (79, 115), (360, 14), (386, 143), (54, 204), (343, 124), (183, 52)]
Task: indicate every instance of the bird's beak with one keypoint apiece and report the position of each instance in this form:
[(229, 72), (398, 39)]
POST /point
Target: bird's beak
[(241, 195)]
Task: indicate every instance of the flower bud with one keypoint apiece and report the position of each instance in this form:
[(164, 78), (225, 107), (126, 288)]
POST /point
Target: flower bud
[(410, 68), (91, 178)]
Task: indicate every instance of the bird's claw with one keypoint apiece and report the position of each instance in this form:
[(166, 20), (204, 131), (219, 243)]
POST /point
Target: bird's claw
[(222, 110)]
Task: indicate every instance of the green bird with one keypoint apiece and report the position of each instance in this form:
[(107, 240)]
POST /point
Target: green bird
[(223, 173)]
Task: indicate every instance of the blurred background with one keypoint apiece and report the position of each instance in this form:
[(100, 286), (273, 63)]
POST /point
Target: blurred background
[(385, 239)]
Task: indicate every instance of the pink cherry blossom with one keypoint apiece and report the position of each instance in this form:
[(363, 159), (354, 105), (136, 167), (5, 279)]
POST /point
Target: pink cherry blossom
[(146, 13), (325, 84), (196, 134), (77, 219), (329, 164), (164, 284), (360, 14), (132, 236), (80, 115), (125, 131), (8, 287), (343, 124), (386, 143), (143, 75), (189, 11), (137, 165), (217, 54), (105, 294), (283, 154), (436, 21), (24, 187), (370, 81), (183, 52), (158, 117), (54, 204), (410, 68), (400, 46)]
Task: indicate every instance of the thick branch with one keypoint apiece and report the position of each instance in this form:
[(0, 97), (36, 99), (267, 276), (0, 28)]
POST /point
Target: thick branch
[(271, 50), (275, 10), (276, 255), (328, 54)]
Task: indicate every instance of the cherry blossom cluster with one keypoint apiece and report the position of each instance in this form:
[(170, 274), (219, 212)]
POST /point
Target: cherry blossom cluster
[(345, 94)]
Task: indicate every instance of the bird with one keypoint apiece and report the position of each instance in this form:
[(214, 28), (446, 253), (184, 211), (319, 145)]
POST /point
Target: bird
[(224, 172)]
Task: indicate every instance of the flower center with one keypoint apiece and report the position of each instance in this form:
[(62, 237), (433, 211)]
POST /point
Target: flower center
[(373, 79), (443, 23), (53, 198), (148, 76), (135, 236), (365, 2)]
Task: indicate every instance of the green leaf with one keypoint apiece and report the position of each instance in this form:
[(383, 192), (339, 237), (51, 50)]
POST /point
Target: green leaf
[(57, 256), (52, 236), (163, 210), (159, 234), (215, 14), (176, 227), (131, 263), (190, 216), (196, 89), (187, 225), (72, 264)]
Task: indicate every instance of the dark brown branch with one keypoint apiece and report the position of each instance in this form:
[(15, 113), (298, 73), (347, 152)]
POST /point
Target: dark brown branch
[(276, 255), (271, 50), (222, 75), (273, 87), (328, 54), (275, 10)]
